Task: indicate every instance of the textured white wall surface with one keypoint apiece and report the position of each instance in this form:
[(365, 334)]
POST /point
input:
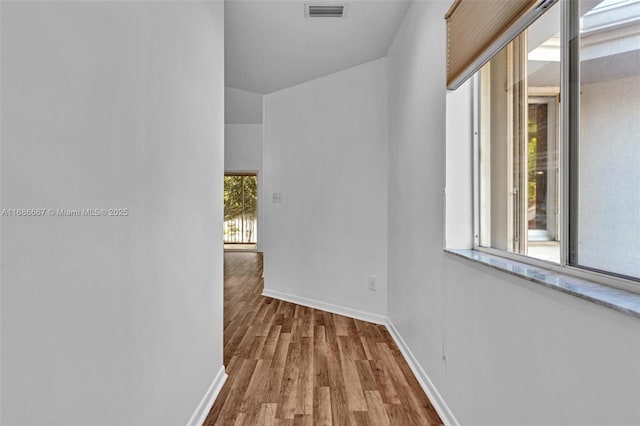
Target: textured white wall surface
[(609, 223), (242, 106), (111, 320), (326, 153)]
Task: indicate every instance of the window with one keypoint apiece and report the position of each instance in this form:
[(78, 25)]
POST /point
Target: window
[(520, 168), (605, 178), (558, 173)]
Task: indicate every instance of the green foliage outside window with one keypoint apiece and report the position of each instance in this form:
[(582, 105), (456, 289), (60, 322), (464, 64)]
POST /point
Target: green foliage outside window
[(240, 197)]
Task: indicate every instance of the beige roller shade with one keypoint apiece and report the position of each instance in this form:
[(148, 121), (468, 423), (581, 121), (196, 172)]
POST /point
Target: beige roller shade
[(477, 29)]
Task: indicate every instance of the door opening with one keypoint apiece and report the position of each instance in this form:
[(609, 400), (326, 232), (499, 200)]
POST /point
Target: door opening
[(542, 178), (240, 211)]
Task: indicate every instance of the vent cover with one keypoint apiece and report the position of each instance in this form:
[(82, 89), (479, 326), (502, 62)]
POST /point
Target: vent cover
[(324, 11)]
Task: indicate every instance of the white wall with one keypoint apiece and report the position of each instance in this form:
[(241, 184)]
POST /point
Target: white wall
[(520, 354), (416, 62), (243, 140), (326, 152), (610, 176), (242, 106), (111, 320), (243, 147), (459, 169), (516, 353), (243, 153)]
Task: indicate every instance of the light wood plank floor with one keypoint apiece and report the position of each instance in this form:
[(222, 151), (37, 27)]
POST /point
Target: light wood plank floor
[(293, 365)]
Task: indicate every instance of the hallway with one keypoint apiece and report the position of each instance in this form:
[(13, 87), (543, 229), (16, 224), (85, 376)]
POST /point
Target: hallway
[(293, 365)]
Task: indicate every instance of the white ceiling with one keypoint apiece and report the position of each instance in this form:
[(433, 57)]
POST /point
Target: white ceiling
[(270, 45)]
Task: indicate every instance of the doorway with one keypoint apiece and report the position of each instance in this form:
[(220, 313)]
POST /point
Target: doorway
[(543, 178), (240, 211)]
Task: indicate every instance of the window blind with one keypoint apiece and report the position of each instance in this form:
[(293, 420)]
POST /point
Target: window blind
[(477, 29)]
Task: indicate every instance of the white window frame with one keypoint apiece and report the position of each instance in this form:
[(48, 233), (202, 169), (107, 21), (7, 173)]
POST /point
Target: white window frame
[(569, 34)]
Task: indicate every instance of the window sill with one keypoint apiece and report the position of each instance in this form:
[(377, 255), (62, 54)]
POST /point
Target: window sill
[(619, 300)]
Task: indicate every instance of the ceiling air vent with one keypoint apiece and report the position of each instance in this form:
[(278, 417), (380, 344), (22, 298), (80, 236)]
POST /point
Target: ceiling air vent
[(324, 11)]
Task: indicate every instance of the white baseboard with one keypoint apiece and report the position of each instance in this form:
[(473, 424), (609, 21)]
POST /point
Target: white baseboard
[(329, 307), (441, 407), (203, 408)]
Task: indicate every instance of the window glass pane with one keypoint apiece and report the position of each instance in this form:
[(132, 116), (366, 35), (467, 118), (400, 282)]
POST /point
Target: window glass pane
[(520, 143), (608, 179)]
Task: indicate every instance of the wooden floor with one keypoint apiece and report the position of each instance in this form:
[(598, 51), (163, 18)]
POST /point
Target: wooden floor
[(293, 365)]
